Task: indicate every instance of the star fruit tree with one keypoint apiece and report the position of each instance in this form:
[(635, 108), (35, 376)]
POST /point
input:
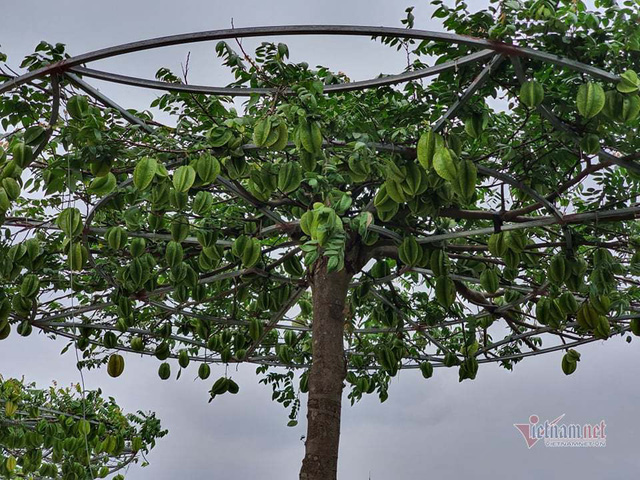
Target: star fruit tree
[(481, 207)]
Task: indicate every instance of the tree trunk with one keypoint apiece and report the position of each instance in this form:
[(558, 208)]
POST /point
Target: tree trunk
[(328, 371)]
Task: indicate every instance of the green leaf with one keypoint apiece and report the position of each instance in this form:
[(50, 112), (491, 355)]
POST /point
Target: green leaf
[(474, 125), (333, 263)]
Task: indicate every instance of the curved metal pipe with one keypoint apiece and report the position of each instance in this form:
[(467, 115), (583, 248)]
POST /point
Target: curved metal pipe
[(246, 92), (345, 30)]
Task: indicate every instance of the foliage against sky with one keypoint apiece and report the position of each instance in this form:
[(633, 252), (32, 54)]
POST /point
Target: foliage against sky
[(143, 233)]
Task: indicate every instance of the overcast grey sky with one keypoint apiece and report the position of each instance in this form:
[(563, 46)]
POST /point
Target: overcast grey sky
[(435, 428)]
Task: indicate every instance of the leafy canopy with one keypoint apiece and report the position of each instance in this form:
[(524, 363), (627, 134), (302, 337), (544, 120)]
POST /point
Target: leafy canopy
[(60, 433), (498, 229)]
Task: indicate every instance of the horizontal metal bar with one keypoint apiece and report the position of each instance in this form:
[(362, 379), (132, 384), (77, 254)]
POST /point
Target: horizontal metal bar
[(346, 30), (169, 87), (621, 162), (555, 348), (574, 218), (275, 362)]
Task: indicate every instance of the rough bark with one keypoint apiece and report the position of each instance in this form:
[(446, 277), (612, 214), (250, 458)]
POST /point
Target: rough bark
[(328, 371)]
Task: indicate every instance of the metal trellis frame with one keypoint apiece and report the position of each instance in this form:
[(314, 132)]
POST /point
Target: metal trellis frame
[(491, 53)]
